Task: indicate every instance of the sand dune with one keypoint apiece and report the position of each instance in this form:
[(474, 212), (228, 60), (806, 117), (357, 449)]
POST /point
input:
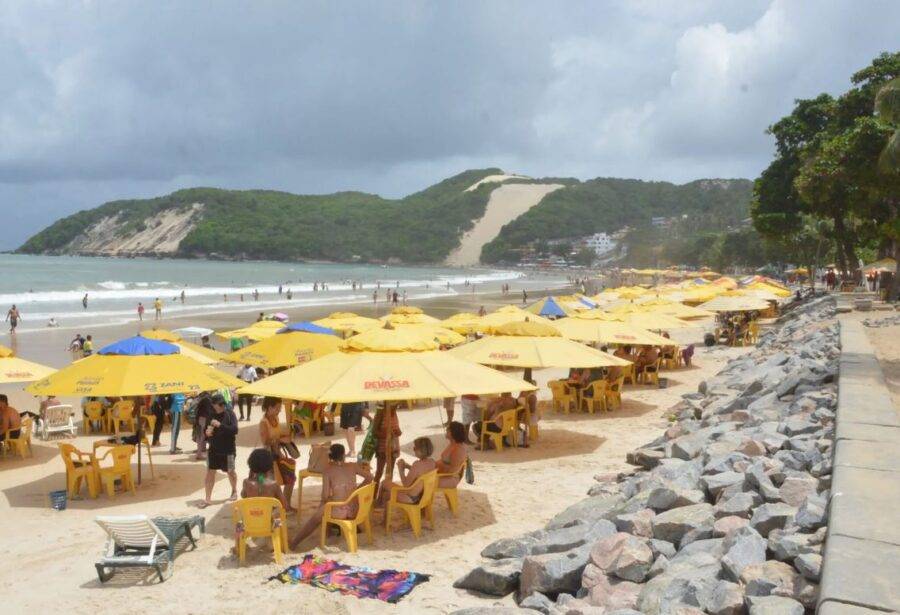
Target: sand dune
[(507, 203)]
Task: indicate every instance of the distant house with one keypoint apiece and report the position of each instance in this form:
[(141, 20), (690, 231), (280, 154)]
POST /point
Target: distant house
[(659, 221), (600, 243)]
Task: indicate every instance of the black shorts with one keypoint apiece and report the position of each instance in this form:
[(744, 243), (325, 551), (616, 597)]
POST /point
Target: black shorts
[(351, 416), (14, 433), (220, 461)]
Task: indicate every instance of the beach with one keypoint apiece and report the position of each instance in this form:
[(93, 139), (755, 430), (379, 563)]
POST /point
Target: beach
[(514, 491)]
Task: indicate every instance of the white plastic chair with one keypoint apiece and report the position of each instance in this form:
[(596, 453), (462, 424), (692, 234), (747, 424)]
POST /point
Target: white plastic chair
[(57, 419)]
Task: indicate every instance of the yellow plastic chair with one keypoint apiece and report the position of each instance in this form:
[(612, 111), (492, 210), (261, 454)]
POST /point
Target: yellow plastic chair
[(122, 413), (21, 445), (614, 393), (650, 373), (599, 397), (564, 397), (451, 494), (414, 512), (364, 496), (670, 357), (510, 421), (257, 517), (149, 421), (629, 373), (93, 413), (310, 424), (120, 469), (80, 469)]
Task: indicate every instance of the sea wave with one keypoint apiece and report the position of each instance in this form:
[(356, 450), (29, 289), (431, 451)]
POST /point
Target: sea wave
[(116, 291)]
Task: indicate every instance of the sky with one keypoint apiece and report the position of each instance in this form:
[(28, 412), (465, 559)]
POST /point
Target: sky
[(103, 100)]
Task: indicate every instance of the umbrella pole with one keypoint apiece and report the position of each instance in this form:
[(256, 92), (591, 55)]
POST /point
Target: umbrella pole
[(140, 427)]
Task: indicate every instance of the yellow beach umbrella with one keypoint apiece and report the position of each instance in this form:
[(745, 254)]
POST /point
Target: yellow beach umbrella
[(507, 314), (13, 369), (463, 322), (388, 339), (348, 322), (609, 332), (160, 334), (676, 309), (288, 348), (653, 321), (130, 367), (261, 330), (344, 377), (778, 291), (443, 335), (532, 345), (206, 356), (735, 304)]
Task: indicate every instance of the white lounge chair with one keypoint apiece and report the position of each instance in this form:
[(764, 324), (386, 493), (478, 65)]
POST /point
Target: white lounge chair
[(134, 542), (57, 419)]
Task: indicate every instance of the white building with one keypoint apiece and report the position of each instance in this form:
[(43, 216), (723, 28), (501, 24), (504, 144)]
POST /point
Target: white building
[(600, 243)]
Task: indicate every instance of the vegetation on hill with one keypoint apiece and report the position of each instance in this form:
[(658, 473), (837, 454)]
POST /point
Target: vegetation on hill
[(832, 189), (609, 204), (420, 228)]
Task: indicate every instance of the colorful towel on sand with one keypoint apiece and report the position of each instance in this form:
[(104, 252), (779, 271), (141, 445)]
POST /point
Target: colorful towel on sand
[(385, 585)]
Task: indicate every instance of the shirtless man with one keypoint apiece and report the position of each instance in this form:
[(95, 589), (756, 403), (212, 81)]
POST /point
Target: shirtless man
[(493, 423), (647, 356), (10, 420), (338, 482), (13, 317)]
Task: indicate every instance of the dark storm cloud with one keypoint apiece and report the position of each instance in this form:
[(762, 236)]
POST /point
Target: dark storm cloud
[(103, 100)]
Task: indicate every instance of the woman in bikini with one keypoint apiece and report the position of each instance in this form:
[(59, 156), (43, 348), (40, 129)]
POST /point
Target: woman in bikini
[(338, 482), (454, 456), (273, 434), (411, 472), (259, 483)]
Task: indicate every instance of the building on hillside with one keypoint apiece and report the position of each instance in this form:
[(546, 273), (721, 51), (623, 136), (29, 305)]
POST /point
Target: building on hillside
[(600, 243), (660, 221)]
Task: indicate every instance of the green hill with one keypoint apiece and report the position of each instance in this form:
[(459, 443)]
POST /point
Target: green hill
[(423, 227), (262, 224), (609, 204)]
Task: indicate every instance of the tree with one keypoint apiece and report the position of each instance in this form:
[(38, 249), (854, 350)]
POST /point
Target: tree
[(585, 257), (887, 107)]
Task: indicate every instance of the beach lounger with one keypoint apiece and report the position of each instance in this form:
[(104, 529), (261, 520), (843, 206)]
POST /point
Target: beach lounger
[(140, 542), (134, 542), (57, 419)]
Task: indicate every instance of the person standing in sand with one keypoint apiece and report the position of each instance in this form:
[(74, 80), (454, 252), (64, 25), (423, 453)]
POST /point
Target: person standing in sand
[(157, 306), (84, 301), (220, 434), (13, 317), (140, 311)]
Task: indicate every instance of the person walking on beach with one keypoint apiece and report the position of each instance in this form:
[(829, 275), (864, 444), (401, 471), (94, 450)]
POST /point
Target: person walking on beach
[(375, 297), (248, 375), (157, 306), (221, 433), (256, 294), (13, 317), (524, 297), (140, 310), (84, 301), (290, 295), (182, 297)]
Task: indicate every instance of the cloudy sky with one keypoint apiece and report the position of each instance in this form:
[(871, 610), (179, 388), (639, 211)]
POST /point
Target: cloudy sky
[(115, 99)]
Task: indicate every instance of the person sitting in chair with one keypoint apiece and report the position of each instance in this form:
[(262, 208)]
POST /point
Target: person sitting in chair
[(411, 472), (10, 420), (338, 483), (493, 423)]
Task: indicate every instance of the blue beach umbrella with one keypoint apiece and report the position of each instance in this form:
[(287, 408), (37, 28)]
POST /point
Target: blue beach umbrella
[(308, 327)]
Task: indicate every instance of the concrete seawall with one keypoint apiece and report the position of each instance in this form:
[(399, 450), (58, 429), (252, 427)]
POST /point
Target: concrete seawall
[(861, 569)]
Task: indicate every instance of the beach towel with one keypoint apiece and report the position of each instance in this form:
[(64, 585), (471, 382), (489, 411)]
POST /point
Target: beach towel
[(385, 585)]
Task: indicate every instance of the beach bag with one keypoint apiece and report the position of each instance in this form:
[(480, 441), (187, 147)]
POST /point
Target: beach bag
[(367, 451), (470, 471), (289, 449), (318, 457)]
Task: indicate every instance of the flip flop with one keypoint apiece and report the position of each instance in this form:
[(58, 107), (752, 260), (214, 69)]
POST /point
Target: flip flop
[(203, 504)]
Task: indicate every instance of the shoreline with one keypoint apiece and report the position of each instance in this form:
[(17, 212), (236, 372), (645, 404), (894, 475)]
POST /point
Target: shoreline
[(48, 345)]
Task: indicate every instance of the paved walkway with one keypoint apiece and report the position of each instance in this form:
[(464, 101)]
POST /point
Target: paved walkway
[(861, 572)]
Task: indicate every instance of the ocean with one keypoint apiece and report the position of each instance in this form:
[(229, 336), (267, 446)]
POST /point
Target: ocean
[(45, 287)]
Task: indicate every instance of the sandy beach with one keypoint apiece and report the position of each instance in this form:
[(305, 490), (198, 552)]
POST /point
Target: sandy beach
[(514, 491)]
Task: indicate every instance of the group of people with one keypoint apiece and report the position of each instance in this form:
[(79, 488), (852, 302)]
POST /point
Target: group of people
[(81, 346)]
